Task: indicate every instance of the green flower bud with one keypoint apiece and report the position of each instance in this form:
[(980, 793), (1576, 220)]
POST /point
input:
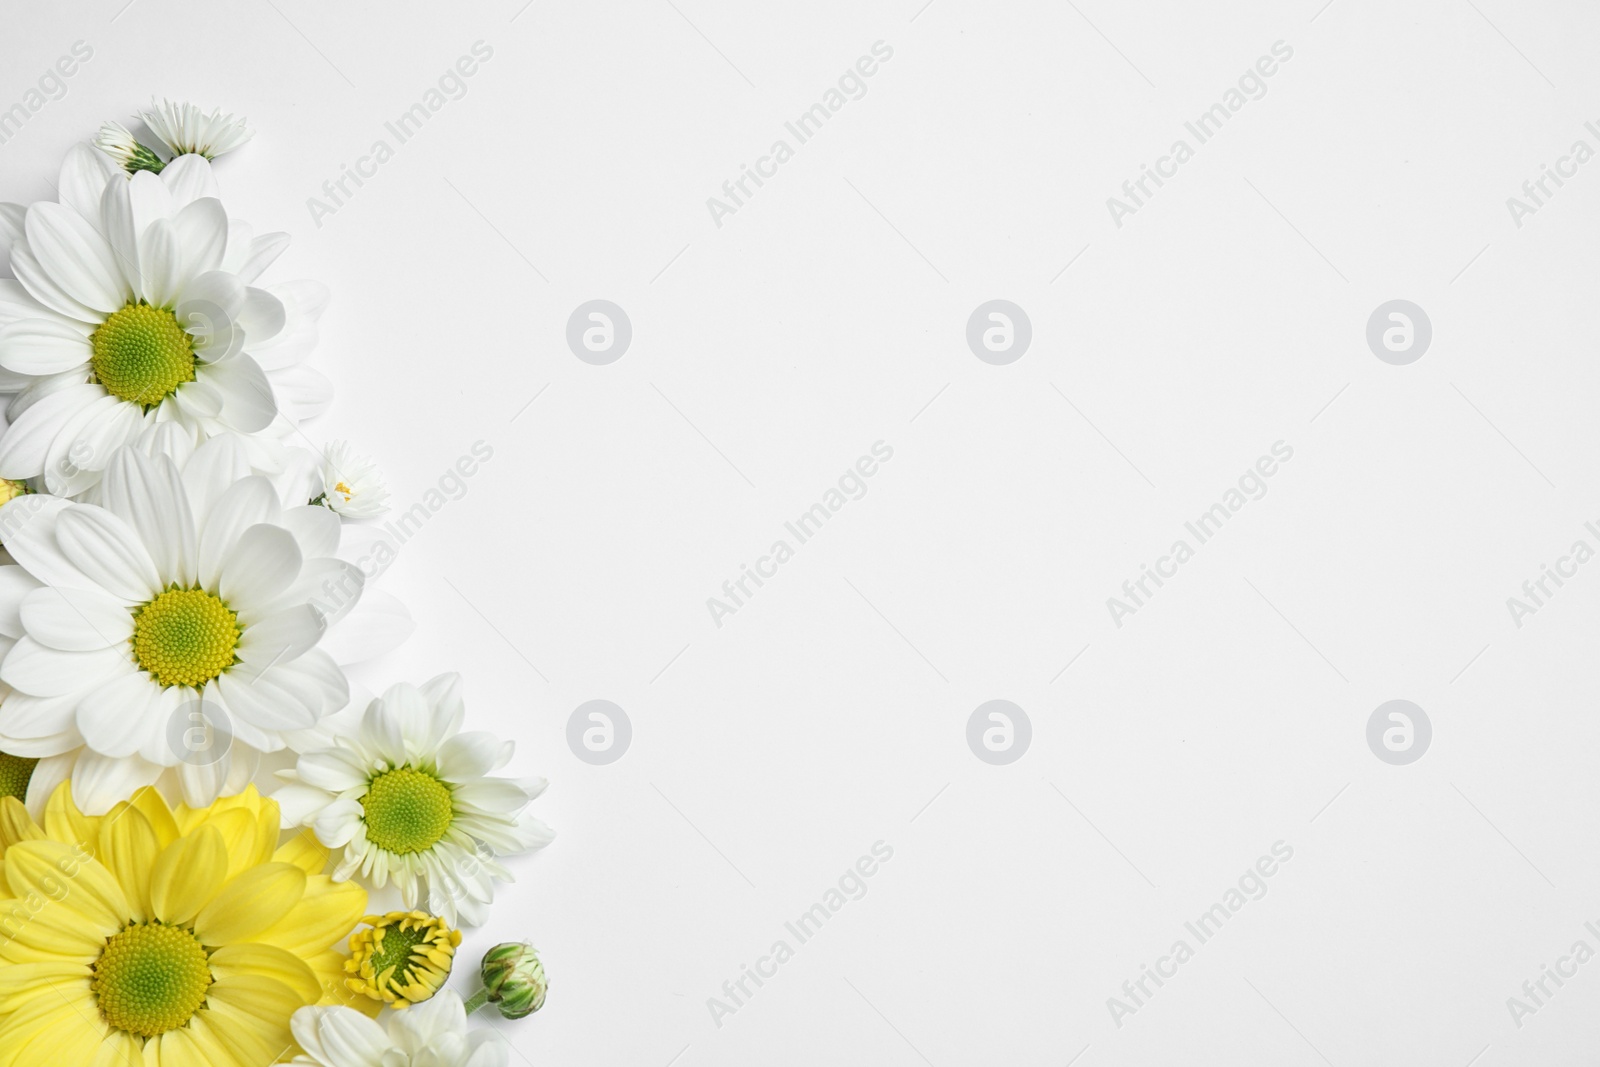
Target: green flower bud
[(513, 979)]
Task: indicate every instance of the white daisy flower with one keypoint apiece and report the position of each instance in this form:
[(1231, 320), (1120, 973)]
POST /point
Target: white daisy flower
[(132, 305), (352, 485), (125, 150), (178, 630), (186, 129), (406, 797), (431, 1034)]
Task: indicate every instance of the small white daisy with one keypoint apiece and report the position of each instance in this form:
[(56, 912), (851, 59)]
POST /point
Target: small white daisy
[(407, 797), (431, 1034), (352, 485), (184, 128)]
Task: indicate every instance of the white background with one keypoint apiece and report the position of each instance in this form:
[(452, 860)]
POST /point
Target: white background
[(829, 313)]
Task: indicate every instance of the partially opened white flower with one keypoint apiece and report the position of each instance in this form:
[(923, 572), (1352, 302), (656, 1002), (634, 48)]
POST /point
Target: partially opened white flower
[(184, 128), (190, 605), (407, 797), (352, 485), (431, 1034), (115, 140), (132, 304)]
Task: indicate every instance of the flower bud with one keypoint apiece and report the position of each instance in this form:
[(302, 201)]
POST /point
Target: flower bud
[(514, 979)]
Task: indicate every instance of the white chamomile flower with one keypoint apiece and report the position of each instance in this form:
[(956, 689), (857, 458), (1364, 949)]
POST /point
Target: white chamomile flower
[(352, 485), (133, 304), (190, 604), (431, 1034), (186, 129), (406, 797), (125, 150)]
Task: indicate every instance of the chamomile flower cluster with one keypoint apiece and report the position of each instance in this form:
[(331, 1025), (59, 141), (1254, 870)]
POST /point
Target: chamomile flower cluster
[(196, 793)]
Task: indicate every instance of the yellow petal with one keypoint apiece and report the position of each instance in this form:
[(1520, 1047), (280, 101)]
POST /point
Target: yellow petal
[(324, 917), (251, 903), (155, 808), (249, 1015), (16, 824), (304, 851), (61, 1028), (195, 1045), (238, 829), (116, 1050), (20, 982), (267, 961), (64, 822), (187, 875), (62, 878), (129, 849)]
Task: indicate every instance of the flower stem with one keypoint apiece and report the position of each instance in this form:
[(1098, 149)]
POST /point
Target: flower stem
[(476, 1001)]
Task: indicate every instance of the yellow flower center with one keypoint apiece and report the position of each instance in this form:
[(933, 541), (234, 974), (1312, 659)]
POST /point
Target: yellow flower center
[(15, 773), (407, 810), (185, 637), (142, 355), (151, 978)]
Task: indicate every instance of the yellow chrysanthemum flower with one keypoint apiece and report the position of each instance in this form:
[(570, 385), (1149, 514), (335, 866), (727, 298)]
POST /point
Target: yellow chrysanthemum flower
[(403, 959), (162, 937)]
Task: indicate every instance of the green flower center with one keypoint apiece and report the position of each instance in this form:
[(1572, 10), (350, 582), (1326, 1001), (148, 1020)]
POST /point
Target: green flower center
[(407, 810), (142, 355), (185, 637), (151, 978), (15, 773), (394, 950)]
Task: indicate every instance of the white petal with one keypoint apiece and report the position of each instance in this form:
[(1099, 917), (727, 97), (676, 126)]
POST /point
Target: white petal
[(377, 625), (43, 288), (28, 529), (84, 174), (85, 443), (15, 585), (282, 637), (333, 770), (100, 782), (258, 701), (189, 178), (263, 563), (160, 264), (106, 549), (25, 716), (248, 403), (27, 442), (148, 495), (46, 672), (260, 254), (337, 823), (76, 620), (202, 231), (79, 260), (115, 718), (316, 528), (473, 755), (262, 316), (43, 346), (247, 502)]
